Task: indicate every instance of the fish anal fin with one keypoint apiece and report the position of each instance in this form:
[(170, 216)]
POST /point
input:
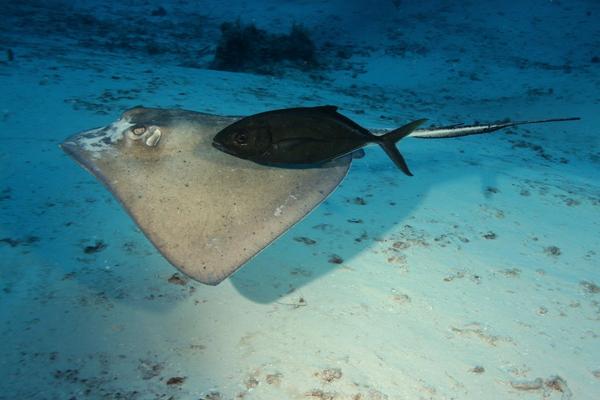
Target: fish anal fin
[(394, 154)]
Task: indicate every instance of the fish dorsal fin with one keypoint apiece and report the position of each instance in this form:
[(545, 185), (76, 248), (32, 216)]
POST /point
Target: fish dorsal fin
[(327, 109)]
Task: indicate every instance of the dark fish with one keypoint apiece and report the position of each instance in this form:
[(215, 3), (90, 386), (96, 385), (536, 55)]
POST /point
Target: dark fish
[(305, 135)]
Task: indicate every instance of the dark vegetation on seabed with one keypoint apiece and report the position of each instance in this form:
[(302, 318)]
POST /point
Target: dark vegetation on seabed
[(248, 48), (189, 39)]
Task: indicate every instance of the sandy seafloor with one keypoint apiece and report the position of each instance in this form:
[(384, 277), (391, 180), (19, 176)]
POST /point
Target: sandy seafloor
[(475, 279)]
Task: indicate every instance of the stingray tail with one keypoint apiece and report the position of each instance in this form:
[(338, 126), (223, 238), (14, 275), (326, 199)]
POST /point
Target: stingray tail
[(389, 140), (458, 130)]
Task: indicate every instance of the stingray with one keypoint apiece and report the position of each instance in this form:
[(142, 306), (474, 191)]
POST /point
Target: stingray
[(205, 211)]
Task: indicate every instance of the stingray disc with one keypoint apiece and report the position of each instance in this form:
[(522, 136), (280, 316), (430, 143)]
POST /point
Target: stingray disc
[(206, 211)]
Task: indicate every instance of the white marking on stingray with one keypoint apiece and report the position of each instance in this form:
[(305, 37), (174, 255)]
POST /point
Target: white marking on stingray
[(99, 140), (279, 210)]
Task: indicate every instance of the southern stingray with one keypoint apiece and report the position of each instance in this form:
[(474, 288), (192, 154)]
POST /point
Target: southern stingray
[(206, 211)]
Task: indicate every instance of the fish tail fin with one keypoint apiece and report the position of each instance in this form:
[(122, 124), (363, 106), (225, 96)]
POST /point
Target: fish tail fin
[(389, 140)]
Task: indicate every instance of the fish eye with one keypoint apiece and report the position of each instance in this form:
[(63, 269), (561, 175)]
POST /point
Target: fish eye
[(241, 138)]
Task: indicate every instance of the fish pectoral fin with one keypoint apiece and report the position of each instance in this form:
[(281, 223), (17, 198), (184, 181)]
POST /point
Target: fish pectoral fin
[(291, 142), (290, 145), (356, 154)]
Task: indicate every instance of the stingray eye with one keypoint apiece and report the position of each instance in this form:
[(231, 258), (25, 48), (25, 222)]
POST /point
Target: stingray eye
[(138, 130), (241, 138)]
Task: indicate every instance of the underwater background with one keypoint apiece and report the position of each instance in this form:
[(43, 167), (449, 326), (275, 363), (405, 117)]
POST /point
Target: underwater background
[(478, 278)]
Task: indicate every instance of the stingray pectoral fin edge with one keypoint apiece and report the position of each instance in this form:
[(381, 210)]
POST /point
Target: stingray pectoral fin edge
[(206, 212)]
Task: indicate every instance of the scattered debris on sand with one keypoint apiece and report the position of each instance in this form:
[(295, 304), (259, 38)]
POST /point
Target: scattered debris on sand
[(329, 375), (26, 241), (176, 381), (95, 248), (552, 251), (552, 384), (150, 369), (274, 379), (478, 369), (335, 259), (590, 287), (535, 384), (490, 236), (305, 240), (478, 331), (177, 279), (321, 395), (212, 395)]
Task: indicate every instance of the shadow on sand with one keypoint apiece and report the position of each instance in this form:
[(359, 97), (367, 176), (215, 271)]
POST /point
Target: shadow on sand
[(374, 193)]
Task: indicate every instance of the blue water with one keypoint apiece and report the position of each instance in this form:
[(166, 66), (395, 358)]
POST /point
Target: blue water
[(478, 278)]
